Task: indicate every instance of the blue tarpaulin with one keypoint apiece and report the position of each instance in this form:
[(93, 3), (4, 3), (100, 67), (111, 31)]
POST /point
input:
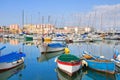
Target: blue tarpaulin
[(59, 35), (84, 36), (56, 45), (13, 56)]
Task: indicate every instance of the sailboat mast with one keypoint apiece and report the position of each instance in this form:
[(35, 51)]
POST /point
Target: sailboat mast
[(42, 25), (101, 31), (23, 18), (101, 21)]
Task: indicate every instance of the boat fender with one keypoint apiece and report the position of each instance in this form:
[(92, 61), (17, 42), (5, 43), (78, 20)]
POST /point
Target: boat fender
[(84, 63), (67, 51)]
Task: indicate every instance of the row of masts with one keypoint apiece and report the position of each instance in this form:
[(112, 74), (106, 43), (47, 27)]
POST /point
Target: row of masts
[(91, 20)]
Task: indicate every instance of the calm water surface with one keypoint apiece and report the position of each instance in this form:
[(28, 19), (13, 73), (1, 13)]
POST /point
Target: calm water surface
[(43, 67)]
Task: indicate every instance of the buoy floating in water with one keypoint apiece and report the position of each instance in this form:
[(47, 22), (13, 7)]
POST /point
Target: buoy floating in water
[(67, 51)]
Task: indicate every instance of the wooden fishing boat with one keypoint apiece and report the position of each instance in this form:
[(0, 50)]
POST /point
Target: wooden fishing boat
[(68, 63), (99, 64), (11, 60), (51, 47)]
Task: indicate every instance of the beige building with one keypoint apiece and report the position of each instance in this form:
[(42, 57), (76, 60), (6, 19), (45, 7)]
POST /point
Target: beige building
[(14, 28), (60, 30), (38, 29)]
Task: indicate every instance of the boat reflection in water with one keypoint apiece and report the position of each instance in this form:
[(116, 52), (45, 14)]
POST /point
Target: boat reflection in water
[(47, 56), (28, 43), (95, 75), (85, 75), (63, 76), (5, 75)]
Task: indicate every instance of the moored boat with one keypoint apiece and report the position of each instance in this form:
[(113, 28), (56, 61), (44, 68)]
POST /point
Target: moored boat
[(28, 37), (51, 47), (99, 64), (11, 60), (68, 63), (58, 39)]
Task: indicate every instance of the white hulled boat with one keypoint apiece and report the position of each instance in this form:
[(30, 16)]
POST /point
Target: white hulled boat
[(11, 60), (68, 63), (51, 47)]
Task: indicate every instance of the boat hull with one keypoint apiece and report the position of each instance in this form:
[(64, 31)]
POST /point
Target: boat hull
[(28, 38), (69, 68), (45, 48), (6, 66), (58, 39), (63, 76), (108, 67)]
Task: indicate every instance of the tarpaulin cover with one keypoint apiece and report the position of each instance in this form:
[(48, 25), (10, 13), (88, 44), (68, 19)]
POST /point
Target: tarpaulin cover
[(13, 56), (68, 58), (56, 45)]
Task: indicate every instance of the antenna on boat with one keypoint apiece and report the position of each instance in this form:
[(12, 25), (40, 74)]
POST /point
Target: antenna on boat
[(2, 48)]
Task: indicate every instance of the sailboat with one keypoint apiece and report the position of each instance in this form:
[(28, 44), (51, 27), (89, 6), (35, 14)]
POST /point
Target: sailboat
[(28, 37)]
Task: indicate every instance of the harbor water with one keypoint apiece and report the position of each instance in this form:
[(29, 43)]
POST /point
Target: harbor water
[(39, 66)]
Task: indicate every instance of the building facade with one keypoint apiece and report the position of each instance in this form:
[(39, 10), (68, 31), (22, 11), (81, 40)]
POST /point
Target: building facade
[(15, 29), (38, 29)]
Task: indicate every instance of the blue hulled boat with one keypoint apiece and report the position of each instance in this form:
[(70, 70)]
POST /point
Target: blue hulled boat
[(99, 64)]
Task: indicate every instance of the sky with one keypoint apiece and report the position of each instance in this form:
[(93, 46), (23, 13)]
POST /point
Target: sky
[(62, 12)]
